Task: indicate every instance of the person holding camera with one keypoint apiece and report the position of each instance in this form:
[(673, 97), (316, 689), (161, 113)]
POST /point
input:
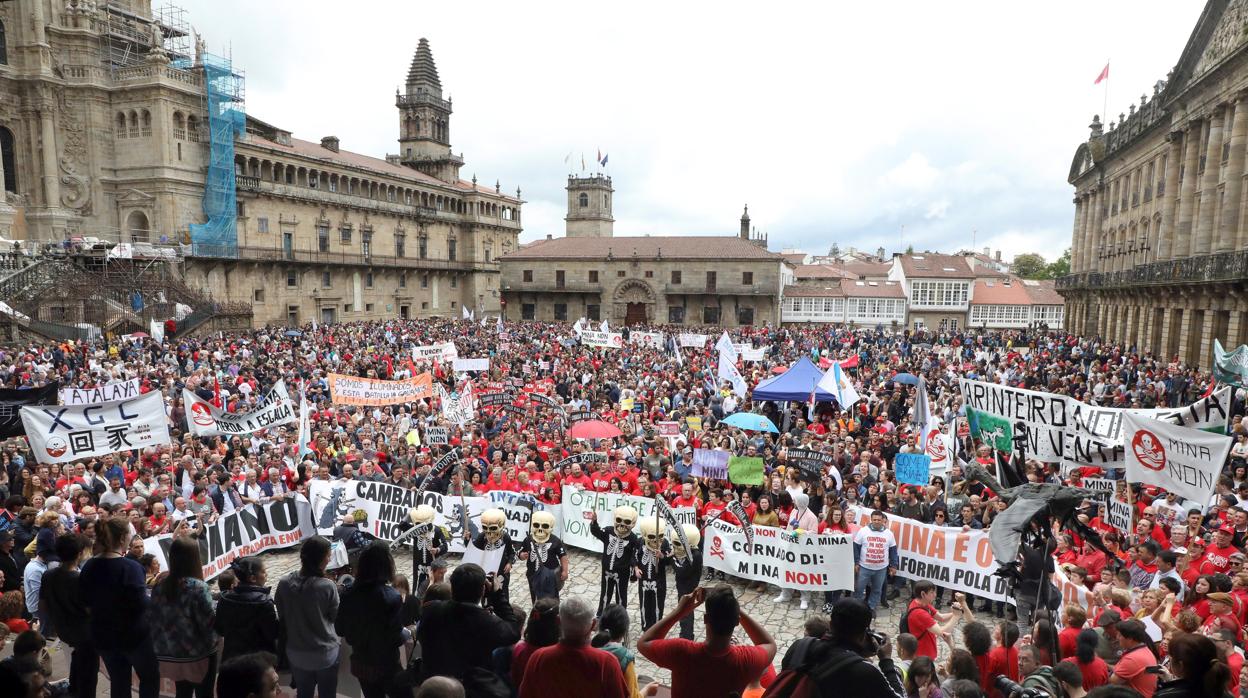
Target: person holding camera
[(1038, 680), (837, 665)]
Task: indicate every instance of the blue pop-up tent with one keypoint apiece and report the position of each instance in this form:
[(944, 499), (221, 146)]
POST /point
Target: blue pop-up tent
[(794, 384)]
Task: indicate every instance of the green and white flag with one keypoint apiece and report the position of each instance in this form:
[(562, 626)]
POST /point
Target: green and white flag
[(1230, 367), (991, 429)]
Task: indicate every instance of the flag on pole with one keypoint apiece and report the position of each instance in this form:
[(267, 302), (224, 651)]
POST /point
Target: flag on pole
[(599, 158), (836, 382), (467, 315), (604, 327), (305, 428), (1104, 74), (724, 345), (499, 325), (567, 159), (922, 417), (582, 162), (603, 161)]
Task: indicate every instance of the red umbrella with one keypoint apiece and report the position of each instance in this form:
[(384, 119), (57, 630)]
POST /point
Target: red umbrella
[(594, 429), (779, 369)]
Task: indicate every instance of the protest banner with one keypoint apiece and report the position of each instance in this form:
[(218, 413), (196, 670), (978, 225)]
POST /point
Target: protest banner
[(120, 390), (669, 430), (692, 340), (745, 470), (1119, 516), (627, 404), (710, 463), (805, 562), (694, 423), (251, 530), (607, 340), (940, 449), (437, 436), (1040, 416), (519, 508), (1095, 437), (494, 399), (945, 556), (516, 410), (992, 430), (1178, 459), (811, 464), (581, 415), (545, 401), (913, 468), (467, 365), (205, 419), (12, 400), (371, 392), (647, 339), (1230, 367), (59, 434), (1099, 484), (580, 506), (387, 507), (436, 352), (584, 459)]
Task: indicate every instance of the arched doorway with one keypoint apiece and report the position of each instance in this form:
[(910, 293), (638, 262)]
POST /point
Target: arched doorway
[(138, 227), (8, 159), (633, 302)]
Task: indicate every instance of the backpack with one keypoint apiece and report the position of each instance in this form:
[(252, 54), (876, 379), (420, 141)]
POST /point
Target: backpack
[(904, 626), (803, 681)]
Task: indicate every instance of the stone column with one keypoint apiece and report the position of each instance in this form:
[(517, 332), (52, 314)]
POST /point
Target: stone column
[(1228, 227), (1091, 263), (1206, 339), (1076, 236), (1209, 186), (1187, 204), (51, 180), (1165, 236)]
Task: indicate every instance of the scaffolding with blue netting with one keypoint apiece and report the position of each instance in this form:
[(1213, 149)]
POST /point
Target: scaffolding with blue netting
[(227, 119)]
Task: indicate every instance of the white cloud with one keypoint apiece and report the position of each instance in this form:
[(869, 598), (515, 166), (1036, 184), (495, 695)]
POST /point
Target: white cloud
[(835, 122)]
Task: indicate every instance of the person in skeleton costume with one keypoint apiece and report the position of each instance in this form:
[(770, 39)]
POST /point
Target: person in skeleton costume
[(688, 572), (427, 544), (546, 558), (651, 563), (494, 536), (619, 550)]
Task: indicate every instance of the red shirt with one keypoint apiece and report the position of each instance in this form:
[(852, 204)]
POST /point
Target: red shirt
[(1131, 667), (562, 670), (1095, 673), (1066, 642), (921, 621), (583, 481), (1004, 661), (697, 672), (1217, 560)]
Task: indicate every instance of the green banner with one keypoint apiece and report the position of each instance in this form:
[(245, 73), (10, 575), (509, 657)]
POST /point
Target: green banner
[(745, 470), (991, 429), (1230, 367)]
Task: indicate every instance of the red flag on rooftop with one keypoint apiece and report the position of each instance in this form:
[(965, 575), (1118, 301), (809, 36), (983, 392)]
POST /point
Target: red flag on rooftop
[(1103, 76)]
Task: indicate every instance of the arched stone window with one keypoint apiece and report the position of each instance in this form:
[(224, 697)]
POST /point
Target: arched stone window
[(4, 50), (8, 159), (138, 227), (584, 200)]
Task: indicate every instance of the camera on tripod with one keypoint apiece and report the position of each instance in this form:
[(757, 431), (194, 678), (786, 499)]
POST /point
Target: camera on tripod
[(1013, 690)]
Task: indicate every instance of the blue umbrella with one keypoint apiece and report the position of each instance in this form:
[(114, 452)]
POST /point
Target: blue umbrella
[(907, 378), (750, 422)]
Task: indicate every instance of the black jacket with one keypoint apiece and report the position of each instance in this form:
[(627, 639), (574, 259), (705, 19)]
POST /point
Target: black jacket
[(456, 636), (11, 565), (62, 597), (858, 677), (1182, 688), (247, 621), (370, 618)]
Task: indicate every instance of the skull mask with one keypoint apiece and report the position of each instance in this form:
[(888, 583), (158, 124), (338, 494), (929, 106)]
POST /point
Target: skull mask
[(652, 533), (541, 526), (625, 517), (493, 524), (422, 517), (691, 532)]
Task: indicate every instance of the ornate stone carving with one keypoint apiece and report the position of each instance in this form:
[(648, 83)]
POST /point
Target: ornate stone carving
[(75, 184), (1231, 32)]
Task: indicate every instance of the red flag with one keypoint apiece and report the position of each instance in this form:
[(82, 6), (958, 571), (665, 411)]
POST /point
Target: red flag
[(851, 362), (216, 392), (1103, 76)]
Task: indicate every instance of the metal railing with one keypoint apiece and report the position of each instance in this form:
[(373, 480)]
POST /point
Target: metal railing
[(1223, 266), (277, 254)]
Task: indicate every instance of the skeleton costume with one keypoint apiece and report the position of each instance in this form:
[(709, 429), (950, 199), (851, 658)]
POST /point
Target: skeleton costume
[(688, 572), (545, 557), (427, 545), (652, 558), (494, 536), (619, 552)]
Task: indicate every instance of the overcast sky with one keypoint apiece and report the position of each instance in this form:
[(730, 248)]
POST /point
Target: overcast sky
[(940, 125)]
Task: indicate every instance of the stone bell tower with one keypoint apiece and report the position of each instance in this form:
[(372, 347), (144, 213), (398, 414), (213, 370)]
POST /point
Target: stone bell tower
[(425, 120), (589, 207)]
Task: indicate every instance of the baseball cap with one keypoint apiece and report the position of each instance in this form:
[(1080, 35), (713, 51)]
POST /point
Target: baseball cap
[(1221, 596), (1108, 618), (1226, 529)]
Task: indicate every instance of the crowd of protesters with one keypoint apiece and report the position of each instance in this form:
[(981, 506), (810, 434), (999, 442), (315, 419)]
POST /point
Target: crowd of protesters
[(1168, 599)]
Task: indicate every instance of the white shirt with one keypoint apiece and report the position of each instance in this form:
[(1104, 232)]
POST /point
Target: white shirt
[(875, 546)]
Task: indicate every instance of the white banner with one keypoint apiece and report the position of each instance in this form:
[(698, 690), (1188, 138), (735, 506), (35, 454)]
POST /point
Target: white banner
[(519, 509), (1119, 516), (579, 506), (205, 419), (121, 390), (248, 531), (466, 365), (1095, 436), (805, 562), (692, 340), (387, 507), (436, 352), (944, 555), (1180, 460), (1043, 415), (752, 354), (649, 339), (60, 434), (156, 329), (609, 340)]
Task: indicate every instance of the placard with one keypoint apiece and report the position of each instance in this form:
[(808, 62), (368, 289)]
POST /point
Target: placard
[(805, 562), (710, 463), (204, 418), (60, 434), (12, 400), (469, 365), (371, 392), (667, 429), (579, 506), (436, 352), (1119, 516), (120, 390), (745, 470), (913, 468), (605, 340), (812, 464), (437, 436)]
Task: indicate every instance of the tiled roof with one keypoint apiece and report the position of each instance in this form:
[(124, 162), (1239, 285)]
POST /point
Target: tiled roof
[(672, 247), (872, 289), (1043, 292), (936, 266), (796, 258), (346, 158), (867, 269), (822, 271), (813, 290), (997, 292)]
